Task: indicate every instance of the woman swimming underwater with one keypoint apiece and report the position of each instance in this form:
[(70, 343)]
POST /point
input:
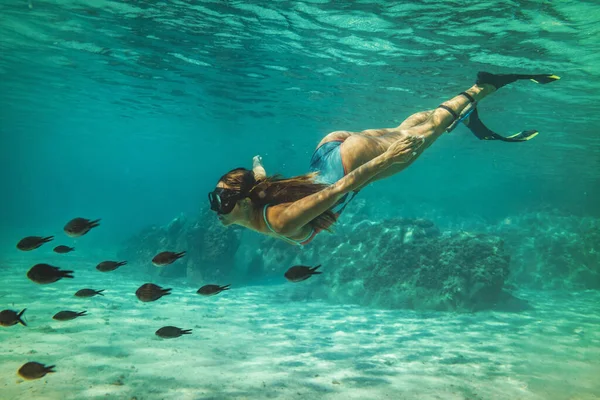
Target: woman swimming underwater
[(296, 209)]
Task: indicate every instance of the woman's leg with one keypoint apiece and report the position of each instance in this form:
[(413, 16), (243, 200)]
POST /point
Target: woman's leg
[(409, 122), (358, 149)]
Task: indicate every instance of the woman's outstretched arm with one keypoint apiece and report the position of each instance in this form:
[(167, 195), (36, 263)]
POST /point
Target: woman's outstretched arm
[(302, 211)]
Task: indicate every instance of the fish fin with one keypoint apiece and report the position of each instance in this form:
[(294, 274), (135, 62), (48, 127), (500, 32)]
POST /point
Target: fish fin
[(19, 315), (121, 263), (315, 268), (82, 313), (186, 331), (99, 292), (315, 272), (49, 369), (165, 292), (48, 239), (225, 287), (179, 255), (66, 274), (94, 223)]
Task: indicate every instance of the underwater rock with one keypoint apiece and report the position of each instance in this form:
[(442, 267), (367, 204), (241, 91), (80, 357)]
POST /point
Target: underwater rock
[(552, 251), (400, 263), (210, 248), (388, 263)]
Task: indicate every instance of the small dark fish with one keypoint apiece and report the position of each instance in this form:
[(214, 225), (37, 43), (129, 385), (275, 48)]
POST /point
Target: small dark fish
[(166, 258), (80, 226), (68, 315), (10, 318), (170, 332), (107, 266), (63, 249), (33, 242), (151, 292), (89, 293), (35, 370), (44, 273), (211, 290), (300, 273)]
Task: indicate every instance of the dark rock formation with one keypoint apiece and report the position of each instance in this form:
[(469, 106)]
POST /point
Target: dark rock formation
[(552, 251), (395, 263), (398, 263), (210, 248)]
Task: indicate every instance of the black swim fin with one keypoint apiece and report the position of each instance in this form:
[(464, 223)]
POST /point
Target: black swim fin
[(476, 126), (499, 80)]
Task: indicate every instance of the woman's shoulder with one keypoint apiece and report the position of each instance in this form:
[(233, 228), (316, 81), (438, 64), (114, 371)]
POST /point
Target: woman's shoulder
[(273, 216)]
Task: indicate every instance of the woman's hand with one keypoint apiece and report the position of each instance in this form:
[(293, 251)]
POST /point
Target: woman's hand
[(405, 149), (257, 168)]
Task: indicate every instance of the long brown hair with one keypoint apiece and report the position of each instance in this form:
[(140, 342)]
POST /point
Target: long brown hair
[(275, 189)]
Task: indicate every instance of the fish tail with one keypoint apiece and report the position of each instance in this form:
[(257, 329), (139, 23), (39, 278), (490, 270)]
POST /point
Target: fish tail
[(49, 369), (179, 255), (186, 331), (47, 239), (312, 270), (121, 263), (100, 292), (71, 248), (66, 274), (19, 317), (165, 292), (81, 314), (226, 287), (94, 223)]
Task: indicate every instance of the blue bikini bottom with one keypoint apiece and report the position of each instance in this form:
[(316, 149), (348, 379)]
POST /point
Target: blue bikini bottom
[(327, 161)]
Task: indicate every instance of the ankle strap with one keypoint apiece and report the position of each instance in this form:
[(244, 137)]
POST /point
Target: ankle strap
[(468, 96), (451, 111)]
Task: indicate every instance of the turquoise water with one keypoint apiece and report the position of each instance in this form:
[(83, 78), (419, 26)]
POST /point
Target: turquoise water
[(130, 111)]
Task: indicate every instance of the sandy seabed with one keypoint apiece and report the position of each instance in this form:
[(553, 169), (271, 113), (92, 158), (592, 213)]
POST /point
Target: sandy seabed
[(253, 343)]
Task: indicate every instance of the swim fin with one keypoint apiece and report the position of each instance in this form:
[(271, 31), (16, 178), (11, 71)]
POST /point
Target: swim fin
[(476, 126), (499, 80)]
